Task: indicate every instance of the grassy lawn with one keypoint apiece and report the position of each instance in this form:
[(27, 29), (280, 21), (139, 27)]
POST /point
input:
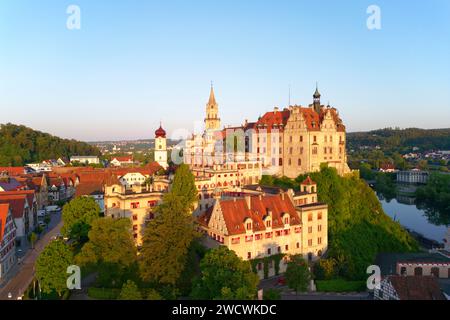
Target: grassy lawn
[(340, 285)]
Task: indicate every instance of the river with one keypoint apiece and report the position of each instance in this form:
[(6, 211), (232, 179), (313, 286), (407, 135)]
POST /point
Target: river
[(414, 219)]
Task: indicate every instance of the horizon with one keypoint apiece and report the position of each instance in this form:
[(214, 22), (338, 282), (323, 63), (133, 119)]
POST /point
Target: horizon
[(131, 66), (174, 139)]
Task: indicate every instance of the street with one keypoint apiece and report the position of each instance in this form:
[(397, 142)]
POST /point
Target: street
[(23, 273)]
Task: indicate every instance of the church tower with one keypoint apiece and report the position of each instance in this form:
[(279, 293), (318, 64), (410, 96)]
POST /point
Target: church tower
[(212, 120), (161, 147), (316, 100)]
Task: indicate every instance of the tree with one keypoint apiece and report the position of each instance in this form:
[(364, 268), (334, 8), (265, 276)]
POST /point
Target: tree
[(272, 294), (152, 294), (399, 161), (166, 241), (51, 267), (184, 185), (20, 145), (110, 248), (225, 276), (78, 216), (130, 291), (324, 269), (297, 274), (423, 165)]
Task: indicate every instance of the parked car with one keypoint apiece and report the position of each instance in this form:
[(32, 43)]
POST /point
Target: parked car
[(281, 281)]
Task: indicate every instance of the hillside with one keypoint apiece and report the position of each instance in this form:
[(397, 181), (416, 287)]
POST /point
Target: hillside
[(358, 228), (401, 139), (20, 145)]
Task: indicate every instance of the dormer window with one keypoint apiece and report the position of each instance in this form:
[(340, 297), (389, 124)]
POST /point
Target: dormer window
[(268, 223)]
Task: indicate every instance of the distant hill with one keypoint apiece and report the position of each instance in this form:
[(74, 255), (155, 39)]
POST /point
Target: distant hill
[(20, 145), (401, 139)]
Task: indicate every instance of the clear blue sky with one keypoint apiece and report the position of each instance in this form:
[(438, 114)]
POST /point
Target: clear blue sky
[(134, 63)]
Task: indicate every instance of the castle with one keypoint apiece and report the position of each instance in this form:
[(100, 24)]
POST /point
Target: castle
[(290, 142)]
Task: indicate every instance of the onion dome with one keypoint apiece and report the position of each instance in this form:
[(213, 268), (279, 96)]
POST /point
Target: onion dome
[(160, 133)]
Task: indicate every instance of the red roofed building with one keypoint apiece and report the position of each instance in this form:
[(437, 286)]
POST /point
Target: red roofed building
[(123, 161), (21, 212), (259, 226), (7, 240)]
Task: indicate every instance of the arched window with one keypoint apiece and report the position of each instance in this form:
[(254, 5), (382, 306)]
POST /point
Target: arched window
[(403, 271), (435, 271), (418, 271)]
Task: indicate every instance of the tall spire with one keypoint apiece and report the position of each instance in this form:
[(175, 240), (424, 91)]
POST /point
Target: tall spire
[(212, 98), (316, 99), (317, 93)]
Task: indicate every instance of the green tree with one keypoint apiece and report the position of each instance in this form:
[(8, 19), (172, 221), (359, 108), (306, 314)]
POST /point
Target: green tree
[(423, 165), (399, 161), (110, 249), (325, 269), (51, 267), (272, 294), (130, 291), (152, 294), (225, 276), (20, 145), (184, 185), (166, 241), (77, 216), (298, 274)]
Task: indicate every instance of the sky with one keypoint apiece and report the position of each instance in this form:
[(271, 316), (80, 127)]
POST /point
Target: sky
[(135, 63)]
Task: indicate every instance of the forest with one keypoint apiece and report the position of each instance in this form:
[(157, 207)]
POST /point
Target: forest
[(401, 140), (20, 145)]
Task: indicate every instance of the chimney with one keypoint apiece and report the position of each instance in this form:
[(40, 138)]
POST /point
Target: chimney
[(269, 212), (282, 196), (275, 109), (248, 200)]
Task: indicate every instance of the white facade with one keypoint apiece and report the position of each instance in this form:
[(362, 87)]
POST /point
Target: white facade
[(85, 159)]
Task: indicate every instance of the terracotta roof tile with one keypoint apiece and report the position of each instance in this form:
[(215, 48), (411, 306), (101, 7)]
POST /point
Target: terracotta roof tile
[(4, 209), (16, 202), (417, 287), (236, 211)]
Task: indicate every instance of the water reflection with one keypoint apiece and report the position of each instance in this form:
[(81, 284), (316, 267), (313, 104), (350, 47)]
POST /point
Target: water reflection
[(429, 223)]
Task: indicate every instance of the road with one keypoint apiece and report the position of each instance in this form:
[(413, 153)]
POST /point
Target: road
[(21, 280)]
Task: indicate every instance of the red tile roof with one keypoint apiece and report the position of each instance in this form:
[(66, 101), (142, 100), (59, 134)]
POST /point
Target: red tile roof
[(417, 287), (89, 188), (308, 181), (13, 170), (4, 209), (30, 194), (236, 211), (269, 119), (16, 203), (124, 158)]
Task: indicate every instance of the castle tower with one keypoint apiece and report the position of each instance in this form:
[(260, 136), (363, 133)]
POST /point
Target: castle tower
[(212, 120), (316, 100), (161, 147)]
